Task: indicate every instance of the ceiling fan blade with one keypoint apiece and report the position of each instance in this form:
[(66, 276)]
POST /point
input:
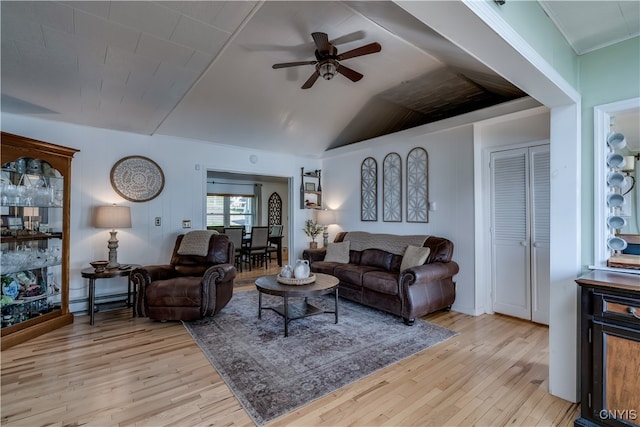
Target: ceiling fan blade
[(292, 64), (322, 41), (311, 80), (348, 38), (360, 51), (352, 75)]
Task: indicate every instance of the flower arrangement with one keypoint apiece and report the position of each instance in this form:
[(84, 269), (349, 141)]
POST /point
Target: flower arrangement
[(312, 229)]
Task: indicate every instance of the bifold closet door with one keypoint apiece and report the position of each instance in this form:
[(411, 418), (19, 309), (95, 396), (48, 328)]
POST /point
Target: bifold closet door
[(511, 285), (540, 178), (520, 192)]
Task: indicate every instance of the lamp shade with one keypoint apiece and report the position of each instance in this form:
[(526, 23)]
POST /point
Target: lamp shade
[(326, 217), (113, 217)]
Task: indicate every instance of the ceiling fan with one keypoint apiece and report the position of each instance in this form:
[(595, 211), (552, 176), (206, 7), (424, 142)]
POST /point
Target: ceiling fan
[(327, 60)]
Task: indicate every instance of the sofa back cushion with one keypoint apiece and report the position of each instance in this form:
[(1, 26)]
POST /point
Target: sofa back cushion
[(441, 250), (376, 258), (393, 243)]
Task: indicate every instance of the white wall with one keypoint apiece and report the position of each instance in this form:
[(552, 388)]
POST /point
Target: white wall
[(184, 163), (450, 187), (450, 145)]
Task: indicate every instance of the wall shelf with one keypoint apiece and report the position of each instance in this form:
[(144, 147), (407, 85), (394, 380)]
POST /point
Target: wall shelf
[(310, 189)]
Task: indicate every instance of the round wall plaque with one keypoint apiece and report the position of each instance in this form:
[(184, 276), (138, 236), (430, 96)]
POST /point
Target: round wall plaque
[(137, 178)]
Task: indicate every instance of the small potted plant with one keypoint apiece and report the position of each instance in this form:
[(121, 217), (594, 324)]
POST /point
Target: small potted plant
[(312, 229)]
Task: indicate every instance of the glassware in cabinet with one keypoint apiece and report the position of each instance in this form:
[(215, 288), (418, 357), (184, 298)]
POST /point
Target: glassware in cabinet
[(34, 268)]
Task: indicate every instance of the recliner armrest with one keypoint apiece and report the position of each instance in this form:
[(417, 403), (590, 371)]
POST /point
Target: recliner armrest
[(143, 276), (219, 273), (151, 273)]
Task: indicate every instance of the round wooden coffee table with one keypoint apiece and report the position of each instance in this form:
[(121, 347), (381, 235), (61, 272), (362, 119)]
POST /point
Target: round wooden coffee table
[(324, 284)]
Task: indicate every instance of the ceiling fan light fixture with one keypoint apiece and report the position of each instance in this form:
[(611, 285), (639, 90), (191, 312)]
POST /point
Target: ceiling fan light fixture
[(327, 69)]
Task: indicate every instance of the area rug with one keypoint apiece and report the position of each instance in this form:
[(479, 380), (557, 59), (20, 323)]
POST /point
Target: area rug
[(272, 375)]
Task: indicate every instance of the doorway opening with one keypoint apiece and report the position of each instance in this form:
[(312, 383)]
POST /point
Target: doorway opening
[(239, 199)]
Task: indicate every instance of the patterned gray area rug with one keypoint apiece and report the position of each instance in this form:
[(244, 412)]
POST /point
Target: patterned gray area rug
[(272, 375)]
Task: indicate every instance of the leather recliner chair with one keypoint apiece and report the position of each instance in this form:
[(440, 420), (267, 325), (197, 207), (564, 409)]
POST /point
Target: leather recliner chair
[(190, 287)]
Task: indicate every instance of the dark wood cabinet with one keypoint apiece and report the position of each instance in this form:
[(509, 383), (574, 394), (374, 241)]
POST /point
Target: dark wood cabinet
[(610, 349)]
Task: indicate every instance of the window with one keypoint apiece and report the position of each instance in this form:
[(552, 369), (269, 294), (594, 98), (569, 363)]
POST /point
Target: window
[(224, 210)]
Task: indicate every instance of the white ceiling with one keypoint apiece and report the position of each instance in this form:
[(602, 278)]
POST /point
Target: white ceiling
[(202, 69), (590, 25)]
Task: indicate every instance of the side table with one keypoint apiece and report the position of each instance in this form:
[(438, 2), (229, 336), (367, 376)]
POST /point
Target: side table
[(92, 275)]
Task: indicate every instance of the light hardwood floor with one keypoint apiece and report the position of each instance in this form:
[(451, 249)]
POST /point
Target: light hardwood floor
[(135, 372)]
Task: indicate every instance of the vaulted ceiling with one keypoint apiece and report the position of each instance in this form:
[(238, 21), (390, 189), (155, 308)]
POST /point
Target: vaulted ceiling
[(202, 70)]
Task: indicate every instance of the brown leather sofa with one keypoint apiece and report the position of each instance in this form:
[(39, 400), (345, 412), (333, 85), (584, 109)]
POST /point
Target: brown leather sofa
[(372, 277), (190, 287)]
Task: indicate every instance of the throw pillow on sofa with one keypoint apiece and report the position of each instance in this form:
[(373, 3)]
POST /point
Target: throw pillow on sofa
[(414, 256), (338, 252)]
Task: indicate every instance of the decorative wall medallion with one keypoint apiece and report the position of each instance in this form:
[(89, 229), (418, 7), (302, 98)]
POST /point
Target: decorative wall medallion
[(392, 188), (137, 178), (369, 190), (417, 185)]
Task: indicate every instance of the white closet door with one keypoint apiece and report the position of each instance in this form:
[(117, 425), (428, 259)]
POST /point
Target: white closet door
[(540, 252), (511, 286)]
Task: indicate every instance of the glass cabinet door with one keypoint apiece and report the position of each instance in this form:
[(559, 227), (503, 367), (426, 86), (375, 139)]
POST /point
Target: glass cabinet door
[(31, 207)]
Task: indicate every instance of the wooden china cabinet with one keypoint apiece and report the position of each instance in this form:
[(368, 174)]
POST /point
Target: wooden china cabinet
[(35, 207), (610, 349)]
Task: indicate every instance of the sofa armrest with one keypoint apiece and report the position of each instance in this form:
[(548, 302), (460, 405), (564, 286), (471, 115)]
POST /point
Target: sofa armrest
[(429, 272), (314, 254)]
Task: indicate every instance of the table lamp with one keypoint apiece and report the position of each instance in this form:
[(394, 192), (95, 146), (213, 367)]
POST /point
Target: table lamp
[(325, 218), (113, 217)]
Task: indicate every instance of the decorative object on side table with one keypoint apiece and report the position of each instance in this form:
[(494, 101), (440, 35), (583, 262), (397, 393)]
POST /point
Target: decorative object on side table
[(312, 229), (99, 266), (326, 217), (113, 217), (137, 178)]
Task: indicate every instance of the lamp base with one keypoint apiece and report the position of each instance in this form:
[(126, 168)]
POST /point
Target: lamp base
[(113, 251)]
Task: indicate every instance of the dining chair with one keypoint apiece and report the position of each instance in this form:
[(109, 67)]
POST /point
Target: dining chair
[(236, 235), (256, 250), (276, 231)]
